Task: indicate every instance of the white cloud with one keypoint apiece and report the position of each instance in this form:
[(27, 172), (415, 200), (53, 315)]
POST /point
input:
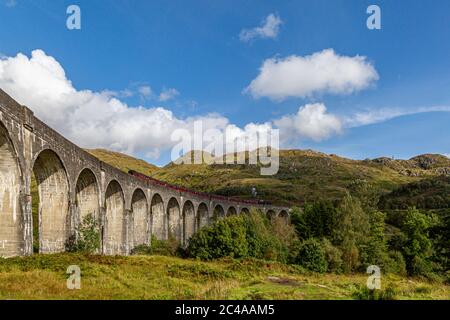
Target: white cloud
[(268, 29), (100, 119), (447, 155), (145, 92), (376, 116), (321, 72), (96, 119), (168, 94), (126, 93), (310, 122)]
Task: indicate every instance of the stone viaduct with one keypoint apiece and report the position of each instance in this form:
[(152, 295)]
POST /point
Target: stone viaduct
[(72, 184)]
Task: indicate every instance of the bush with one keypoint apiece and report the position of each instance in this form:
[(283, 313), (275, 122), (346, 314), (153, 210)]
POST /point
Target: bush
[(374, 251), (311, 256), (225, 238), (288, 240), (419, 266), (417, 247), (261, 242), (364, 293), (351, 232), (316, 220), (168, 247), (269, 239), (142, 250), (394, 263), (350, 255), (447, 277), (88, 237), (243, 236), (441, 234), (333, 256)]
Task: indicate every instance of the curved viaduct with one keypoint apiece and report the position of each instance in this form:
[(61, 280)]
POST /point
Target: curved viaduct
[(72, 184)]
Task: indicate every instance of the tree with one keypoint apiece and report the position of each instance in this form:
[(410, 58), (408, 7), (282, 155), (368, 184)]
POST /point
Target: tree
[(316, 221), (225, 238), (351, 231), (311, 256), (366, 192), (88, 240), (375, 251), (441, 237), (417, 247)]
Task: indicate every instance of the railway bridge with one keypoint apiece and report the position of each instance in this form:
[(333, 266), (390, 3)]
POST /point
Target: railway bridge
[(72, 184)]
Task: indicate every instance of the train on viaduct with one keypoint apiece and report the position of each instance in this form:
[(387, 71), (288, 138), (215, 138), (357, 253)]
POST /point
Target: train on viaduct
[(129, 208)]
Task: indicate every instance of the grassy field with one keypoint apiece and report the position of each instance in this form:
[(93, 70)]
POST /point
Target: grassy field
[(158, 277)]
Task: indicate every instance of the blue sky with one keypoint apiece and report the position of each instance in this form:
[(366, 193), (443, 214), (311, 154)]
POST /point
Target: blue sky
[(194, 47)]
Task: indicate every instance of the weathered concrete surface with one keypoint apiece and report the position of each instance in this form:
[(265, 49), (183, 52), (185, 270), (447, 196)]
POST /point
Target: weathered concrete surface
[(174, 218), (158, 218), (202, 215), (140, 217), (73, 184), (87, 198), (11, 219), (115, 232), (53, 189), (188, 221)]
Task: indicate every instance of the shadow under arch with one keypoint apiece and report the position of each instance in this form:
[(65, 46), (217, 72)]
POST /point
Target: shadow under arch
[(231, 211), (284, 215), (218, 212), (271, 214), (245, 211)]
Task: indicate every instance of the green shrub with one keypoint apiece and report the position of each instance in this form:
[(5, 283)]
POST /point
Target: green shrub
[(225, 238), (242, 236), (350, 255), (394, 263), (170, 247), (447, 277), (288, 240), (441, 234), (419, 266), (261, 243), (311, 256), (417, 247), (268, 239), (316, 220), (88, 237), (374, 251), (364, 293), (333, 256), (142, 250), (351, 232)]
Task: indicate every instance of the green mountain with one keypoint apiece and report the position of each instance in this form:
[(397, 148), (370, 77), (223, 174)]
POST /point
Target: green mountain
[(430, 193), (123, 161), (304, 175)]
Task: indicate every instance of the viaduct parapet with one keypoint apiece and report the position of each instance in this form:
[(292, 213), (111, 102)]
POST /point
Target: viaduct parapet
[(72, 184)]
